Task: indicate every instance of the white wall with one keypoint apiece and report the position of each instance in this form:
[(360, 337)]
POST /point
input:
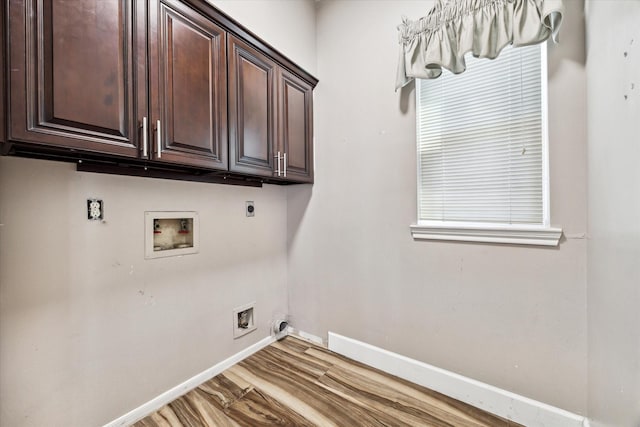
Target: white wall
[(614, 213), (514, 317), (89, 329), (287, 25)]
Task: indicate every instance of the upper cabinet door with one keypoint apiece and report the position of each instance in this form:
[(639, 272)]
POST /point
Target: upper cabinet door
[(295, 126), (72, 78), (252, 106), (188, 86)]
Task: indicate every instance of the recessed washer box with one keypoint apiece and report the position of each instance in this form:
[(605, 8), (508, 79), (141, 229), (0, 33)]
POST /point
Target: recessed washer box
[(171, 233), (244, 320)]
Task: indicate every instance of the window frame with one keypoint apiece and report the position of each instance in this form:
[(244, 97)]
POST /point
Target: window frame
[(520, 234)]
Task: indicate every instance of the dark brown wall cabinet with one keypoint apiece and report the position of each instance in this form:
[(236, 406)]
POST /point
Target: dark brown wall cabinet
[(252, 107), (72, 83), (81, 79), (270, 117), (147, 80), (295, 127), (188, 86)]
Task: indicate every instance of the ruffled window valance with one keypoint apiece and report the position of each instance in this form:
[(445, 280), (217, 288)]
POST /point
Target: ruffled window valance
[(454, 27)]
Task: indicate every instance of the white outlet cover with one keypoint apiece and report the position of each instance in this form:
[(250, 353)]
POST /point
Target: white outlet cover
[(95, 209)]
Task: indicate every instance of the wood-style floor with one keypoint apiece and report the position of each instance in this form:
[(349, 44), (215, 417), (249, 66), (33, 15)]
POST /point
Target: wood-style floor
[(296, 383)]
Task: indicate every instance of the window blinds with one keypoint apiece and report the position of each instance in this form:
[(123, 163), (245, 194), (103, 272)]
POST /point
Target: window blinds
[(482, 141)]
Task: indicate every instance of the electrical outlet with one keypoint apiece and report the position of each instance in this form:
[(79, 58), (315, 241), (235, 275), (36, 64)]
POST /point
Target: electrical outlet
[(95, 210), (250, 209)]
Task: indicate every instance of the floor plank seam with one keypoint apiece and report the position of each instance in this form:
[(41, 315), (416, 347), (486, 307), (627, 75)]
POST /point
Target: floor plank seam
[(299, 383)]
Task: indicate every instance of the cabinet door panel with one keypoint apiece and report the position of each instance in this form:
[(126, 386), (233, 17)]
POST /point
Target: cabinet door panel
[(296, 126), (254, 110), (251, 110), (188, 58), (72, 82)]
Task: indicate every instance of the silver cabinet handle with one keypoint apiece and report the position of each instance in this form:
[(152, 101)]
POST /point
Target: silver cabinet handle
[(278, 157), (285, 164), (159, 139), (145, 138)]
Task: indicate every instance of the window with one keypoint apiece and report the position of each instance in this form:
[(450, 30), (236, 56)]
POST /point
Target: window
[(482, 152)]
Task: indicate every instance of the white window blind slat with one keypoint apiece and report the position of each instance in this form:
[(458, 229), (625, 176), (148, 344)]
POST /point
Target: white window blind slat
[(480, 141)]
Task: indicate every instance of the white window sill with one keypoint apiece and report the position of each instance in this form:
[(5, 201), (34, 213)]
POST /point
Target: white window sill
[(515, 235)]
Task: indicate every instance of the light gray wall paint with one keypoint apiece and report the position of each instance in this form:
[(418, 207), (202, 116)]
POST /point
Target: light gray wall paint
[(287, 25), (514, 317), (614, 213), (89, 329)]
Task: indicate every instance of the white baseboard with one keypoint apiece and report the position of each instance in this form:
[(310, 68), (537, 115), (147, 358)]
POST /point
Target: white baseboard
[(305, 336), (168, 396), (500, 402)]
